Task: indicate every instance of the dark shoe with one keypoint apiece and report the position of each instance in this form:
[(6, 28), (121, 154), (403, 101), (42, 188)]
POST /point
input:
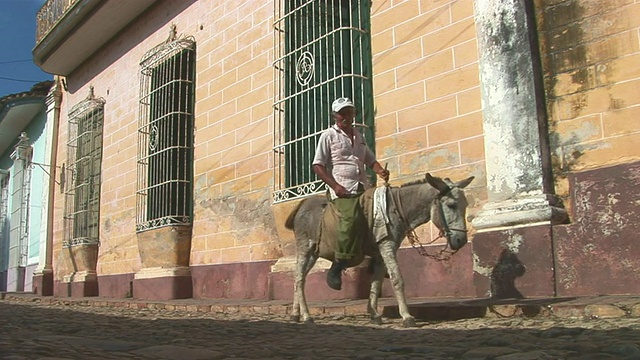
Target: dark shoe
[(334, 275)]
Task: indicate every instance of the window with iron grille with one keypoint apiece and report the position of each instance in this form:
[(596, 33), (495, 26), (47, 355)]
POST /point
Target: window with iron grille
[(323, 51), (165, 135), (84, 158)]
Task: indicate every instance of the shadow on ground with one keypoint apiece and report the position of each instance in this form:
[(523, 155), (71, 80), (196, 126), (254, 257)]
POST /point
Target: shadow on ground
[(69, 332)]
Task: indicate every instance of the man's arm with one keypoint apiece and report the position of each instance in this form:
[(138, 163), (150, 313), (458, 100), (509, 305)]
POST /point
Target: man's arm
[(373, 164), (382, 172), (328, 179)]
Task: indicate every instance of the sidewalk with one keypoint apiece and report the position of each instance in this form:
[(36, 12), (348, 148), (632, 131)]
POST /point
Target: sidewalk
[(610, 306)]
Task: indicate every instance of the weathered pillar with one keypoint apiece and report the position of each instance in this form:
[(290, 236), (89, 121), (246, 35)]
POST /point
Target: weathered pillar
[(4, 227), (513, 244), (43, 274), (19, 214)]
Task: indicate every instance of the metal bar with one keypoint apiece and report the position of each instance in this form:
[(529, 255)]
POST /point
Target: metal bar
[(334, 34), (325, 83), (49, 14), (166, 136), (84, 156), (327, 35)]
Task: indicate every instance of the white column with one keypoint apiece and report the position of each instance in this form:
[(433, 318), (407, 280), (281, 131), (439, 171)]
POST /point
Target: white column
[(19, 227), (519, 179), (52, 102), (5, 204)]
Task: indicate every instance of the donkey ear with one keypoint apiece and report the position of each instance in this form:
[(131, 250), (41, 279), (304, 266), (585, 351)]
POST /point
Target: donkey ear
[(463, 183), (438, 183)]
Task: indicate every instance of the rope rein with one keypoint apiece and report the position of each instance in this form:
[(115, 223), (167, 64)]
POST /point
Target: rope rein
[(444, 254)]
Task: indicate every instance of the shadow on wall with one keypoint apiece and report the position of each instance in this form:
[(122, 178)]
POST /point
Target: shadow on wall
[(503, 282), (562, 38), (504, 274)]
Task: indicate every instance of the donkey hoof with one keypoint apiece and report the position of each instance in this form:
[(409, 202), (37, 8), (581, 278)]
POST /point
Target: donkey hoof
[(377, 320), (295, 318), (309, 321), (409, 322)]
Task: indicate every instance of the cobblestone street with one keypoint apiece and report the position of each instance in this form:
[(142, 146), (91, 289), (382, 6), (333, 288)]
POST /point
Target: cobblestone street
[(31, 330)]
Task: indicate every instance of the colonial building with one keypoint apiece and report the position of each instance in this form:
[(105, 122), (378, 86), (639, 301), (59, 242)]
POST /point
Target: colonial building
[(25, 150), (187, 129)]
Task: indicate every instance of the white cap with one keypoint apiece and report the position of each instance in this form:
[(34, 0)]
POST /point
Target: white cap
[(341, 103)]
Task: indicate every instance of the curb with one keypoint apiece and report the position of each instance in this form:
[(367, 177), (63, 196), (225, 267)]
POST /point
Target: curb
[(599, 307)]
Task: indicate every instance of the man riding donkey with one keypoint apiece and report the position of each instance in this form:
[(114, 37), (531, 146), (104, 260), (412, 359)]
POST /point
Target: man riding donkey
[(340, 159)]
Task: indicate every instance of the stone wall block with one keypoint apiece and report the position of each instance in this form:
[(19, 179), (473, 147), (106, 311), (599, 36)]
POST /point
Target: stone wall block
[(165, 247)]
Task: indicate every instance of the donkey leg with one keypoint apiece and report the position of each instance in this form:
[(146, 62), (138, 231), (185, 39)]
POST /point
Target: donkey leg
[(304, 308), (304, 264), (388, 252), (298, 281), (376, 286)]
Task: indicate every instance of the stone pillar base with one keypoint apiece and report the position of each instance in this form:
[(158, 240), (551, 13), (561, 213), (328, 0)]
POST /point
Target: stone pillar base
[(514, 263), (75, 289), (15, 279), (43, 283), (525, 211), (163, 284), (355, 281), (3, 280), (79, 284)]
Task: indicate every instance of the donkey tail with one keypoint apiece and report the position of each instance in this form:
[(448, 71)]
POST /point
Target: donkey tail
[(289, 222)]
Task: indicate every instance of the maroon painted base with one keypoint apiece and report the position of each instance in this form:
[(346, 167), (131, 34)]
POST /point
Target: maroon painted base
[(598, 253), (423, 277), (427, 278), (75, 289), (232, 281), (518, 263), (43, 284), (355, 285), (163, 288), (116, 286)]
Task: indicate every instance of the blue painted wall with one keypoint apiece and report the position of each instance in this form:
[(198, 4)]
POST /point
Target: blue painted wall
[(5, 164), (36, 133)]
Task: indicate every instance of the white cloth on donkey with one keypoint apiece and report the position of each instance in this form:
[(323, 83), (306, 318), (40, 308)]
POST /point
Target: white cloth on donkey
[(380, 215)]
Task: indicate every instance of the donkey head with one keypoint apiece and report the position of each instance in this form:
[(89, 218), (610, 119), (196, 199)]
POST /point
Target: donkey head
[(448, 211)]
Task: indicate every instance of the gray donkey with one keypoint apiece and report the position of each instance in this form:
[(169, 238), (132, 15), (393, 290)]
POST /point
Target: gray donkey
[(408, 206)]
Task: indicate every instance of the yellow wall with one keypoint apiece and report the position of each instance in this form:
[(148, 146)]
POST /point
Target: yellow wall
[(591, 55), (233, 136), (427, 94), (427, 103)]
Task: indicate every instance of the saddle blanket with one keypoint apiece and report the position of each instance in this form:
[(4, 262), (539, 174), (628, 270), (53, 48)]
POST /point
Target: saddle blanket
[(380, 215)]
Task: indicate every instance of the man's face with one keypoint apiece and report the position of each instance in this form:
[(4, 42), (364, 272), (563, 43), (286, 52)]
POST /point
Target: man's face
[(345, 116)]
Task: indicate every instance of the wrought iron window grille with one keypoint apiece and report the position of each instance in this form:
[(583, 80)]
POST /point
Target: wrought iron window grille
[(164, 195), (84, 162), (322, 52)]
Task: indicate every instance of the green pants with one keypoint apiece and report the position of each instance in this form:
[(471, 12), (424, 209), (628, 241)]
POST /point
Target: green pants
[(351, 219)]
